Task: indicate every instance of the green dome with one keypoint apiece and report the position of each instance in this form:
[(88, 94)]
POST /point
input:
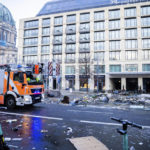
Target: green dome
[(5, 15)]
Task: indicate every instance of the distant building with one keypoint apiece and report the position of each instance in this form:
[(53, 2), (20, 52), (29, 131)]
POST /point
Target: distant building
[(8, 50), (100, 44)]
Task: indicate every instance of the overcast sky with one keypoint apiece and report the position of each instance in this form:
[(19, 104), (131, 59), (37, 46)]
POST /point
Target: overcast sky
[(23, 8)]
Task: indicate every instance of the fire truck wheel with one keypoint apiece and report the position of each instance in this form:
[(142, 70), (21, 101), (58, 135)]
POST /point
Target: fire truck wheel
[(10, 102)]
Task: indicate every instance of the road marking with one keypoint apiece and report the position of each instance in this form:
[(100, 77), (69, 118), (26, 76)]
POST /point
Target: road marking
[(109, 124), (43, 117), (102, 123), (94, 112)]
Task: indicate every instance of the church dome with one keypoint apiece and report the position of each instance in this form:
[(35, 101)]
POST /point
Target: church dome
[(5, 15)]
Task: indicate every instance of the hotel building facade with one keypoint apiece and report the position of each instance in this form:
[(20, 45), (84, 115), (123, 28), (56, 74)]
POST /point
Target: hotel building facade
[(100, 45)]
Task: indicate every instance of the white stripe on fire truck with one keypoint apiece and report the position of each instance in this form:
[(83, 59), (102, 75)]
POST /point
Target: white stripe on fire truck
[(11, 83)]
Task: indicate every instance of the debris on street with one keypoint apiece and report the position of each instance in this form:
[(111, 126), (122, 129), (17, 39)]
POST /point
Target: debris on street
[(11, 120), (69, 130)]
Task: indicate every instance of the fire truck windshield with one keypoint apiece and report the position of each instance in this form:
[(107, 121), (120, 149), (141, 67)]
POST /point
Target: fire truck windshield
[(33, 79)]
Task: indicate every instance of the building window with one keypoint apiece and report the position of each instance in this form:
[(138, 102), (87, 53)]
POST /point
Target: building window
[(145, 21), (45, 49), (84, 47), (99, 69), (99, 56), (85, 27), (113, 14), (31, 24), (30, 33), (70, 70), (131, 33), (146, 43), (145, 10), (114, 45), (145, 32), (46, 22), (71, 28), (99, 36), (44, 58), (58, 30), (71, 19), (57, 58), (84, 70), (84, 17), (129, 23), (85, 37), (58, 20), (30, 59), (45, 40), (115, 68), (84, 57), (146, 67), (114, 34), (114, 24), (57, 49), (71, 38), (99, 15), (70, 58), (131, 44), (70, 48), (30, 51), (45, 31), (99, 25), (115, 55), (131, 55), (131, 67), (130, 12), (31, 41), (57, 39), (99, 46), (146, 54)]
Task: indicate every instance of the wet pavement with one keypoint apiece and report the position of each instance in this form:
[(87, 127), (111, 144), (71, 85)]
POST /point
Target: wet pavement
[(49, 126)]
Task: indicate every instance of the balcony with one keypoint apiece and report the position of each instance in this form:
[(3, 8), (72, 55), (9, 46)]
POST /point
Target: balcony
[(70, 61), (70, 41), (84, 60), (57, 42), (57, 51), (70, 31), (70, 50), (57, 32), (84, 30), (84, 50)]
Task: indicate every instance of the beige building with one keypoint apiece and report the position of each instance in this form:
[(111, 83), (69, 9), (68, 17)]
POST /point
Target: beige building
[(99, 46), (8, 50)]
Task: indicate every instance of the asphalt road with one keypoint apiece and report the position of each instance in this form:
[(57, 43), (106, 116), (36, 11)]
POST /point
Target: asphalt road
[(48, 126)]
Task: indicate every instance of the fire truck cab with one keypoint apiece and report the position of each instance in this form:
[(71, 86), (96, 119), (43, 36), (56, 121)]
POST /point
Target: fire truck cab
[(19, 88)]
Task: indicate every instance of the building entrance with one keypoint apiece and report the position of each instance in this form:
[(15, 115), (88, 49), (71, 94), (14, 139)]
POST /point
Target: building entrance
[(132, 84), (116, 83), (146, 85)]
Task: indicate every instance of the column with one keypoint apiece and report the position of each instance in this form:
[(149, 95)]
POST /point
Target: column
[(140, 83), (123, 83)]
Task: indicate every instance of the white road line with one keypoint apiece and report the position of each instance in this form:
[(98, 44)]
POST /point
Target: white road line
[(94, 112), (102, 123), (42, 117), (109, 124)]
